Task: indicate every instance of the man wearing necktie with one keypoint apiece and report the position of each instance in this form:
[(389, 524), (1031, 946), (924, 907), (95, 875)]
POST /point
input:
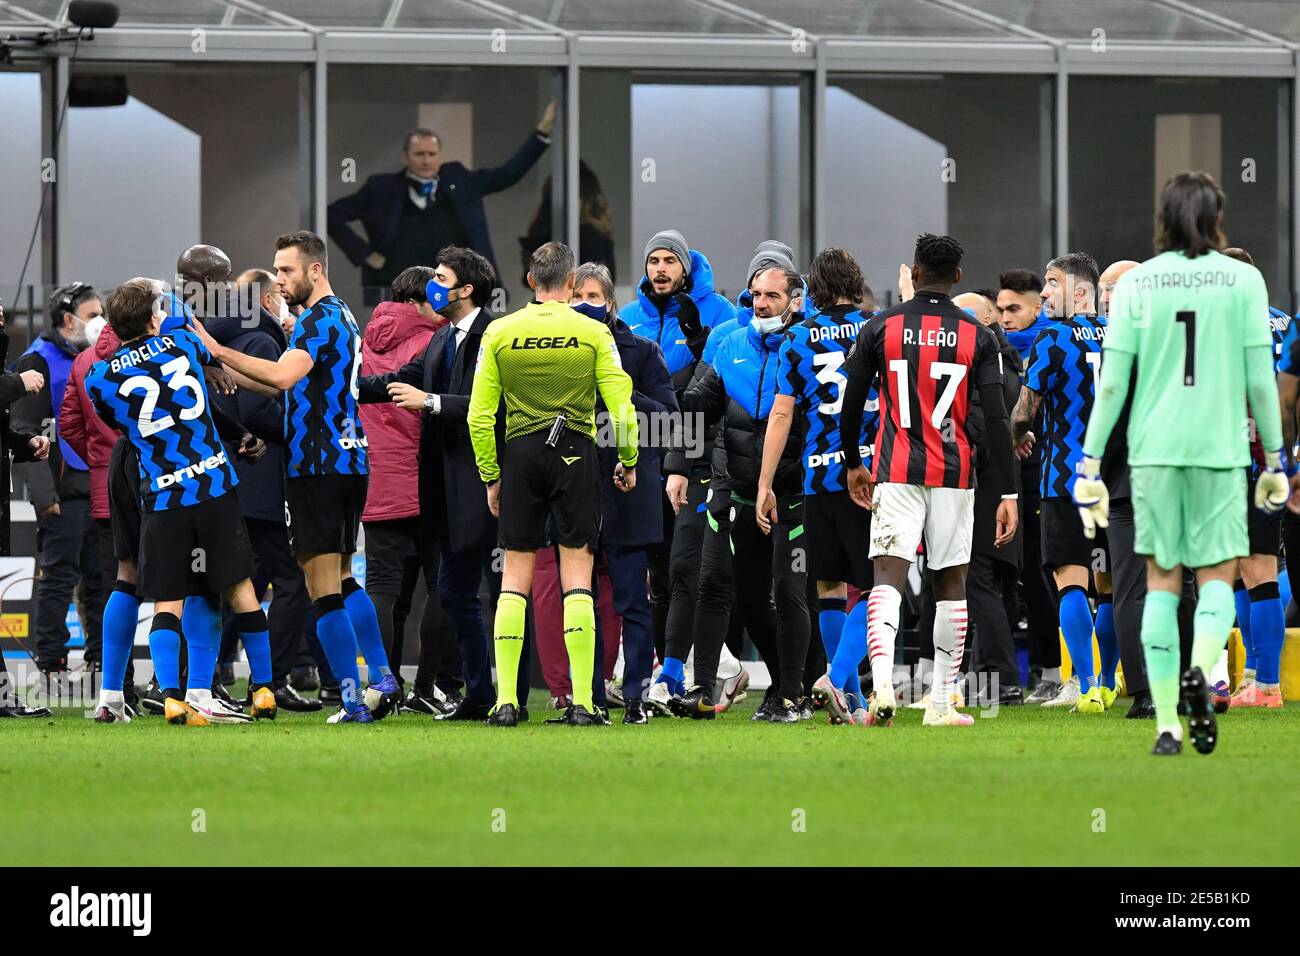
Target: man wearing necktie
[(410, 215), (458, 533)]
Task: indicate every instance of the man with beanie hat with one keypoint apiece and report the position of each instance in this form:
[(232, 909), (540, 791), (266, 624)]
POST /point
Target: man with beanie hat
[(676, 307)]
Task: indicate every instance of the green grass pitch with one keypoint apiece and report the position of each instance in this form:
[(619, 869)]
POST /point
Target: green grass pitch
[(1025, 787)]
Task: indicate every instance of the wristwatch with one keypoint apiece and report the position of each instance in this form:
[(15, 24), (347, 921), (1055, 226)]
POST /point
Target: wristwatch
[(432, 404)]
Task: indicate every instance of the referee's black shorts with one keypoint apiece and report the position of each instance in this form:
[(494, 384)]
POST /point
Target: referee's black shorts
[(561, 484), (323, 512), (124, 500), (201, 549), (839, 539)]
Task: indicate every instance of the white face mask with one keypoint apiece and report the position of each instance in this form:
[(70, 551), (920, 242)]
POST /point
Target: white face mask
[(93, 328), (285, 315), (768, 326)]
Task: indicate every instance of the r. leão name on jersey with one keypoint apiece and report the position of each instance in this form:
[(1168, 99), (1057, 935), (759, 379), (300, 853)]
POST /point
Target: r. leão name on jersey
[(154, 393), (810, 368), (322, 427)]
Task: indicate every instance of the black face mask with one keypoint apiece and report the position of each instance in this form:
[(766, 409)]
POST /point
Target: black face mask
[(600, 313)]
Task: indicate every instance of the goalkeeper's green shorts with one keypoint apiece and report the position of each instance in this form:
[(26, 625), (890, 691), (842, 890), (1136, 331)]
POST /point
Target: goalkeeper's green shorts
[(1194, 517)]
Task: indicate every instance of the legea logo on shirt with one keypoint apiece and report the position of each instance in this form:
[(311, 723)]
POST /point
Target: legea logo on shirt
[(192, 471)]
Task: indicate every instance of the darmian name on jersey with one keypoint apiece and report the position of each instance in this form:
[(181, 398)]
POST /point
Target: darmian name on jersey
[(836, 457), (155, 346), (932, 338), (845, 330), (554, 342), (191, 471)]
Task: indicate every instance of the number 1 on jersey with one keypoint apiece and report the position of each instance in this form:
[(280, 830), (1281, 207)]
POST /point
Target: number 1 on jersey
[(1189, 362)]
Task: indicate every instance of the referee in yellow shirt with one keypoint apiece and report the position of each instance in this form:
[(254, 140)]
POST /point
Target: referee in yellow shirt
[(548, 362)]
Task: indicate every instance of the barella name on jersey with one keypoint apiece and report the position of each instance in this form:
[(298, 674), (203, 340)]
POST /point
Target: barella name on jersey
[(835, 457), (155, 346), (191, 471)]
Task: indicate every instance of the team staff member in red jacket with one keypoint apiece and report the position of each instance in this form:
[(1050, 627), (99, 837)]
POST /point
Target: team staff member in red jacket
[(398, 332), (83, 429)]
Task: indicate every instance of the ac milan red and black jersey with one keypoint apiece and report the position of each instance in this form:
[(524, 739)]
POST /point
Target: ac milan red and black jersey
[(931, 358)]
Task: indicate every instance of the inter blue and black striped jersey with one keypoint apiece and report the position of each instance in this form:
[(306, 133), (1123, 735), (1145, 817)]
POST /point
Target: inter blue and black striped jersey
[(322, 428), (809, 368), (154, 393), (1284, 340), (1064, 368)]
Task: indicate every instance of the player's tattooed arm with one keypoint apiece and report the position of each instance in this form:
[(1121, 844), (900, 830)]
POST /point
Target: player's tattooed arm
[(1025, 412)]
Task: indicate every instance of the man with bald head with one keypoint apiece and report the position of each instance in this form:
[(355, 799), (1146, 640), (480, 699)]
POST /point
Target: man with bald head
[(1128, 568), (977, 304), (203, 278)]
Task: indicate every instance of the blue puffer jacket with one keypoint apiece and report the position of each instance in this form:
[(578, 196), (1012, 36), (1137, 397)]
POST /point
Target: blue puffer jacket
[(738, 389), (647, 318)]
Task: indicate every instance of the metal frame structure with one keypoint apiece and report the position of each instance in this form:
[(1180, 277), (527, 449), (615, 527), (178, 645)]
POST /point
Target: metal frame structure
[(774, 46)]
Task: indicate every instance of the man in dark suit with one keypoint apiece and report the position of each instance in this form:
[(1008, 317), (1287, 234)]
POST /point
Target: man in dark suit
[(994, 570), (13, 385), (457, 533), (410, 215)]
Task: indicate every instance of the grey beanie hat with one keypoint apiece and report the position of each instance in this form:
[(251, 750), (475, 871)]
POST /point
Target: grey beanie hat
[(771, 253), (673, 241)]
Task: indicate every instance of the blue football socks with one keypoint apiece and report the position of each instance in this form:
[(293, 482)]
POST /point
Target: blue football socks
[(365, 624), (121, 611), (1107, 642), (1076, 626)]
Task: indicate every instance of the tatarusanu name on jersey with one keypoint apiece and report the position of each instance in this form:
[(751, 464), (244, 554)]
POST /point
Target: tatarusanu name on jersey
[(1188, 280), (155, 346)]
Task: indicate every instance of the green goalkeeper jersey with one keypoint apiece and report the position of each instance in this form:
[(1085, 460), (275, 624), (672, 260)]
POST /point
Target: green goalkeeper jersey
[(548, 360), (1188, 324)]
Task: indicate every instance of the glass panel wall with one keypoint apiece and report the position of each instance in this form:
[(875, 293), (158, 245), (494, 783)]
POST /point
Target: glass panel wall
[(959, 154), (1129, 134), (485, 119), (719, 159), (205, 153)]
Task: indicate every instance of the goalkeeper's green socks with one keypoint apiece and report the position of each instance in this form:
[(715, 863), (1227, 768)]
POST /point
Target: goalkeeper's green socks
[(508, 641), (580, 642), (1160, 647), (1215, 610)]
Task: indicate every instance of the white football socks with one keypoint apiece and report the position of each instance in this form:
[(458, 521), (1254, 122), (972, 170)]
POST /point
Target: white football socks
[(949, 647), (883, 605)]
